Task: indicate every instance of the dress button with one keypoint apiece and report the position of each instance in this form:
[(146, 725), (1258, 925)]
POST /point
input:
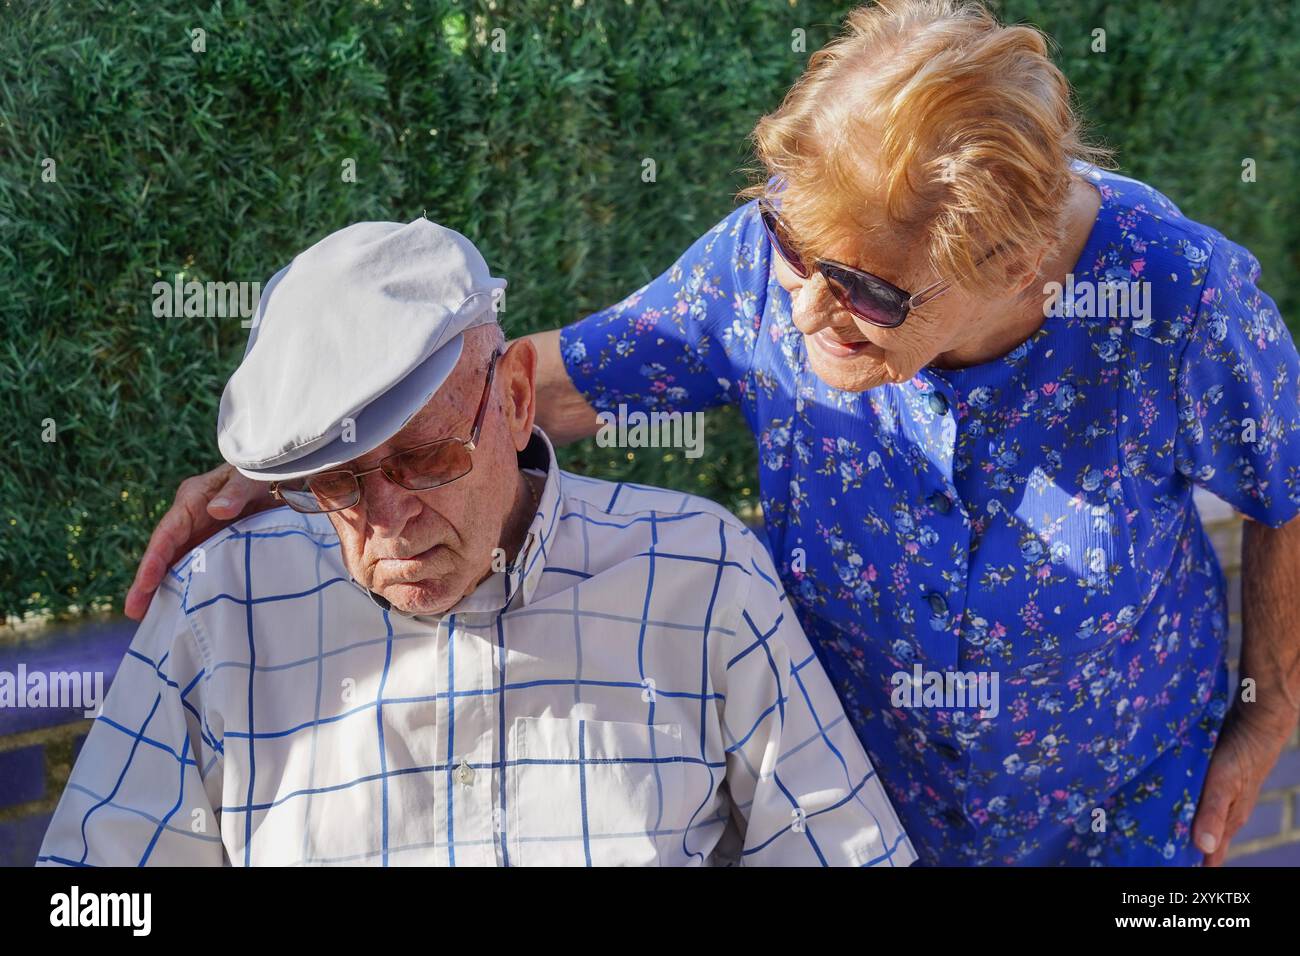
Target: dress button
[(955, 817), (940, 502), (948, 752), (938, 403), (465, 773), (938, 606)]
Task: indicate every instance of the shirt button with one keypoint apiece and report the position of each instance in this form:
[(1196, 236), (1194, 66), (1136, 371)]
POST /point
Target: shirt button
[(938, 403), (938, 606), (465, 773), (940, 502)]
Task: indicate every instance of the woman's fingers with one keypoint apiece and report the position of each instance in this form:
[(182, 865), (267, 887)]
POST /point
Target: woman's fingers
[(239, 495), (1225, 798), (1211, 820), (186, 523)]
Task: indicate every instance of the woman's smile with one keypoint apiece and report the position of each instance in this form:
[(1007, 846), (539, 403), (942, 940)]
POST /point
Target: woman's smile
[(835, 347)]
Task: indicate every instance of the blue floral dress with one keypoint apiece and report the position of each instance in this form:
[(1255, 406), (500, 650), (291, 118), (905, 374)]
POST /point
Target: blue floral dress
[(1027, 521)]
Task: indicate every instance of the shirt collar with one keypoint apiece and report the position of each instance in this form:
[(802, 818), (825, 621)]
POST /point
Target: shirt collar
[(522, 575), (541, 532)]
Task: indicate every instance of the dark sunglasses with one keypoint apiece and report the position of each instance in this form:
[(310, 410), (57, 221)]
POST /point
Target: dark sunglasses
[(421, 468), (865, 294)]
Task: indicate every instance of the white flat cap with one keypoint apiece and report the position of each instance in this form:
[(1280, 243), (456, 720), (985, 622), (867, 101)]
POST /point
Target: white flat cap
[(360, 330)]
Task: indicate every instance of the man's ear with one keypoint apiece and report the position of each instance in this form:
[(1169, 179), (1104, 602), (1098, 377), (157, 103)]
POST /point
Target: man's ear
[(517, 372)]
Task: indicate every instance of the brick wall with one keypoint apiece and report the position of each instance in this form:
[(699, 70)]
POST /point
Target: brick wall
[(38, 746)]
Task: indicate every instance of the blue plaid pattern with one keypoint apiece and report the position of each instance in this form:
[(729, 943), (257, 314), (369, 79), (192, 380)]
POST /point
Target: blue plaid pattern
[(583, 707)]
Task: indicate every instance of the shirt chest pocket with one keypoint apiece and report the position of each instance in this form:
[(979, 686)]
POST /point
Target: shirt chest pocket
[(592, 792)]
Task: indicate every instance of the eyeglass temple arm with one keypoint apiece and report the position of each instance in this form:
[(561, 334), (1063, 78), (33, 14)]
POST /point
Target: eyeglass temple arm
[(936, 289), (483, 402)]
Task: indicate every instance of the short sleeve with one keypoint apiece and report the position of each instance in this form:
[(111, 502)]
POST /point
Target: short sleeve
[(684, 341), (1237, 394)]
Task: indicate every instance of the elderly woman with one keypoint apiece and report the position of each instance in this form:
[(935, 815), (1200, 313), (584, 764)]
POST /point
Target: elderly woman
[(983, 376)]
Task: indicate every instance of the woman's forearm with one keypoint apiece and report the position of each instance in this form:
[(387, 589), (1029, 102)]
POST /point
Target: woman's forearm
[(562, 412), (1270, 645)]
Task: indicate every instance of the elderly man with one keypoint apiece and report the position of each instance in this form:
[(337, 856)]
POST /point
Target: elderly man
[(445, 650)]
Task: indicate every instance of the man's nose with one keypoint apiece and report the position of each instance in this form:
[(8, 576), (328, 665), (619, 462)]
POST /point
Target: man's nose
[(389, 506)]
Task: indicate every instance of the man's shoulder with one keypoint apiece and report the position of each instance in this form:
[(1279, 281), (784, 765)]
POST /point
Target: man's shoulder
[(274, 556), (278, 532), (684, 522), (626, 499), (674, 558)]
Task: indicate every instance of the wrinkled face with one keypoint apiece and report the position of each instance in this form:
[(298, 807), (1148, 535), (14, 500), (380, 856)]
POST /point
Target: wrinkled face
[(425, 550), (851, 354)]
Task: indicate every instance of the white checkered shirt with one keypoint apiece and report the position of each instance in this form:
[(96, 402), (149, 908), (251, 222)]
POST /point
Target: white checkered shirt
[(634, 690)]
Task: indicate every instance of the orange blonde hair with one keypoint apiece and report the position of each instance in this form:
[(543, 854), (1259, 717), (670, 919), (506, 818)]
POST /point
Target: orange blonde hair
[(929, 125)]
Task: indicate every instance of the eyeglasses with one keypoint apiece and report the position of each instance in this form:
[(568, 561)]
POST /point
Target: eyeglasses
[(865, 294), (421, 468)]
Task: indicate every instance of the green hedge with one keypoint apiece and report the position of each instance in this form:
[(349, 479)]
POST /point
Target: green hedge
[(222, 164)]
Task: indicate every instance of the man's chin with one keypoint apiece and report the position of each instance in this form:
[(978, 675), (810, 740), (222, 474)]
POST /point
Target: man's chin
[(429, 596)]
